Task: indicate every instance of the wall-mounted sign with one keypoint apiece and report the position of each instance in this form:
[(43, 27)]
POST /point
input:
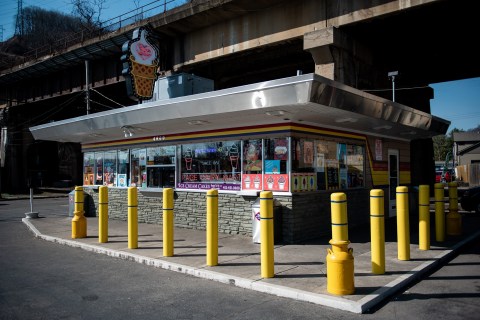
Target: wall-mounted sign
[(140, 63)]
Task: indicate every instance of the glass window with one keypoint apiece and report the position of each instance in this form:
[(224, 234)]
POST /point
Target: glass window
[(161, 177), (275, 161), (123, 168), (88, 168), (355, 166), (210, 165), (161, 167), (138, 161), (110, 168), (99, 168), (304, 177), (252, 165)]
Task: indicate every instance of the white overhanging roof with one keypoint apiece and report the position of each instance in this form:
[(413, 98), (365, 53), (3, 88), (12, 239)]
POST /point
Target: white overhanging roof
[(306, 99)]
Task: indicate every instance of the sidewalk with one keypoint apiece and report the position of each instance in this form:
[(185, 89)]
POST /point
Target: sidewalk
[(300, 270)]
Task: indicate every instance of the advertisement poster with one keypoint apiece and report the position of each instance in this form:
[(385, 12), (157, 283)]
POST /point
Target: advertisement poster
[(252, 151), (320, 162), (276, 182), (281, 149), (252, 181), (122, 180), (342, 154), (308, 153), (272, 166), (332, 174)]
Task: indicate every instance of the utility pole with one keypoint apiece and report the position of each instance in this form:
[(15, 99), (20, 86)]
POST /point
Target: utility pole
[(19, 23), (87, 84)]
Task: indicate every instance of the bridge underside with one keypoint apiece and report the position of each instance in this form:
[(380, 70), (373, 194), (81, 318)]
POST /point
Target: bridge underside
[(233, 45)]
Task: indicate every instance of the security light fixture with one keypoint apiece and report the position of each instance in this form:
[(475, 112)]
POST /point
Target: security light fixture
[(392, 75), (128, 131)]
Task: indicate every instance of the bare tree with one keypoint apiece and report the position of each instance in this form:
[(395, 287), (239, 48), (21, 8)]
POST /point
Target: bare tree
[(89, 11)]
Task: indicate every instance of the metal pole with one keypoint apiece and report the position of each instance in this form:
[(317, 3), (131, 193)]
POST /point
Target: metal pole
[(168, 225), (424, 217), (132, 218), (403, 229), (31, 199), (393, 88), (212, 227), (377, 230), (87, 92)]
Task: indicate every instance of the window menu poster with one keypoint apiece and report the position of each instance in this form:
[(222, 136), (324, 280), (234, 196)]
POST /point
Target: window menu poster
[(281, 149), (332, 174), (308, 152), (276, 182), (122, 180), (252, 155)]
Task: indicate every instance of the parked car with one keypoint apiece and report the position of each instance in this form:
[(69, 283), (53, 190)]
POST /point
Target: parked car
[(470, 199), (447, 176)]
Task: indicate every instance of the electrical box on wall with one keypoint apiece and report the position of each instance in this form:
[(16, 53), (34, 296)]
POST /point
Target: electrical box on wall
[(179, 85)]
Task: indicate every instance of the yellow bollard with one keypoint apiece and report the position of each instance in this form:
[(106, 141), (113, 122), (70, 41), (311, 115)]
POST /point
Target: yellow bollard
[(439, 212), (377, 231), (212, 227), (424, 217), (103, 214), (340, 273), (79, 222), (403, 227), (266, 234), (454, 219), (132, 218), (168, 222)]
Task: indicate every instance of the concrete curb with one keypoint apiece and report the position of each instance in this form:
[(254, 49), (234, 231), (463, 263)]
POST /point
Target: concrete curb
[(340, 303)]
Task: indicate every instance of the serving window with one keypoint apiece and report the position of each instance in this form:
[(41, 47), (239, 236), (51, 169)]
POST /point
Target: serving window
[(326, 165), (210, 165), (161, 167), (276, 155)]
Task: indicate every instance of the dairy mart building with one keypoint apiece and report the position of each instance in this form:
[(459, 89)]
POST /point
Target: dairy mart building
[(301, 137)]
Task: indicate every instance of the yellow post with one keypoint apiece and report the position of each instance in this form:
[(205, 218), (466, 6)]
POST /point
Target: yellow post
[(79, 222), (424, 217), (132, 218), (266, 234), (377, 231), (212, 227), (439, 212), (454, 219), (103, 214), (168, 222), (403, 227), (340, 273)]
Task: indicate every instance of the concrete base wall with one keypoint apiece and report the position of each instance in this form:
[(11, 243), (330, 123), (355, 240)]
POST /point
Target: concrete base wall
[(303, 216)]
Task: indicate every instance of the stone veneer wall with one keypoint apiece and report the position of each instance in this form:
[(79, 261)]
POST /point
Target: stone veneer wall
[(304, 216)]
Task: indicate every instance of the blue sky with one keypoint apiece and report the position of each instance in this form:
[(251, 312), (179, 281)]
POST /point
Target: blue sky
[(457, 101)]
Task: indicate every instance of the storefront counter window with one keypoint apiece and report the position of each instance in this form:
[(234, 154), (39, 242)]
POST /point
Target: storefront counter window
[(110, 168), (88, 169), (161, 167), (99, 168), (123, 173), (138, 168), (326, 165), (276, 155), (252, 165), (210, 165)]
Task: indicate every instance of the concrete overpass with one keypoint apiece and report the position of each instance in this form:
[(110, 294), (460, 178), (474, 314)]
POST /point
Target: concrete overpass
[(238, 42)]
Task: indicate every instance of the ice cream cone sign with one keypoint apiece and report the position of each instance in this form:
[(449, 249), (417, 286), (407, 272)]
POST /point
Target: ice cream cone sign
[(140, 63)]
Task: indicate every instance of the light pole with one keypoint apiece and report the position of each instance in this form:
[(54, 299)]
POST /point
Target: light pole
[(392, 75)]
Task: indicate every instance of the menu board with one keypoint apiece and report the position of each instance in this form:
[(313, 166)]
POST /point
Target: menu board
[(332, 174)]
